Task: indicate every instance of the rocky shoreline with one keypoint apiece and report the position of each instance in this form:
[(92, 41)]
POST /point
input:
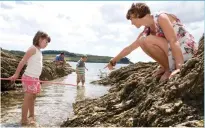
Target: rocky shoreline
[(9, 63), (137, 99)]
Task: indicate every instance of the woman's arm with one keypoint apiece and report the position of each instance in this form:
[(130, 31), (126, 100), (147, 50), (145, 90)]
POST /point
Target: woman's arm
[(127, 50), (124, 52), (31, 51), (171, 36)]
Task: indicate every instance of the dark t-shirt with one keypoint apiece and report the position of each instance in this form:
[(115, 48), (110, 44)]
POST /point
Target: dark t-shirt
[(80, 64), (81, 67)]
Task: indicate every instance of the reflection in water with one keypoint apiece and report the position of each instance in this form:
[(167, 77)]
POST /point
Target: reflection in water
[(80, 93), (54, 103)]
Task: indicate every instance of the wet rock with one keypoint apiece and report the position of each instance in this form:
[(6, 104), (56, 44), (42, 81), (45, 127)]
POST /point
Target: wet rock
[(137, 99), (9, 63), (193, 123)]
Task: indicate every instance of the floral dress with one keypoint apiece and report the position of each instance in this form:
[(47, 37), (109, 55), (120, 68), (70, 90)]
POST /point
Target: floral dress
[(186, 40)]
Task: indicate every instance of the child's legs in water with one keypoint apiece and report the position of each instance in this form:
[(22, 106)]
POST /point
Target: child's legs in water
[(31, 107), (31, 88), (26, 103), (83, 79), (78, 79)]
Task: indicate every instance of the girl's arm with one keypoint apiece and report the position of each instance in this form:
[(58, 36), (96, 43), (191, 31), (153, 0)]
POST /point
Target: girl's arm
[(171, 36), (31, 51)]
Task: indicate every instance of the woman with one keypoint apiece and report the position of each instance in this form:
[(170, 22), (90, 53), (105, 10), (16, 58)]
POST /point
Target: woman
[(164, 39)]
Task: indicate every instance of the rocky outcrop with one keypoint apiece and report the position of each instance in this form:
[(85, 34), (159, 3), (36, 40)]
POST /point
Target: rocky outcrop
[(9, 63), (137, 99)]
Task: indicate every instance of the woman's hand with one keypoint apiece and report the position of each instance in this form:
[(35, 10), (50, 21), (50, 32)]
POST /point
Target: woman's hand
[(174, 73), (109, 66)]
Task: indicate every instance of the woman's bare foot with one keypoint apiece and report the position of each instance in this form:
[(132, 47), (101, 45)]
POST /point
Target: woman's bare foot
[(159, 72), (165, 76)]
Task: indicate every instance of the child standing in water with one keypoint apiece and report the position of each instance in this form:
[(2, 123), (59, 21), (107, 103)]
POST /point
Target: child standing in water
[(30, 79), (80, 70)]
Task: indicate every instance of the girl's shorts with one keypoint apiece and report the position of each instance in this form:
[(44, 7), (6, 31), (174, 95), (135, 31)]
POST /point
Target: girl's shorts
[(31, 84)]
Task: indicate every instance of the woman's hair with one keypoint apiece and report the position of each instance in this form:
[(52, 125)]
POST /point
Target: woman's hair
[(42, 35), (139, 10)]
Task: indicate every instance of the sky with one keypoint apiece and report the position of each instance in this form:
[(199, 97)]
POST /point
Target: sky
[(85, 27)]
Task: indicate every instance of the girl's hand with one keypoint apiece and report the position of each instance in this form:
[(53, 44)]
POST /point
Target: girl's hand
[(14, 77)]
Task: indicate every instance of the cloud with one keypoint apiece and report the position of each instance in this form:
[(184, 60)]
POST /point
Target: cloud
[(113, 13), (5, 6), (187, 11), (86, 27), (23, 2), (196, 29)]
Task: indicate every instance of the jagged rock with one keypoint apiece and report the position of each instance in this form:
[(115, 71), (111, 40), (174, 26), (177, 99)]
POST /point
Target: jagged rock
[(137, 99)]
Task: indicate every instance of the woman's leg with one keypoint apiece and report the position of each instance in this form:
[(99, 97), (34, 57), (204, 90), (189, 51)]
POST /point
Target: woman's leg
[(157, 48)]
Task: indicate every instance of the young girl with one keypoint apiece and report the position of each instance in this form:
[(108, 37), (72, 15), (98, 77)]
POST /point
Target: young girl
[(30, 78)]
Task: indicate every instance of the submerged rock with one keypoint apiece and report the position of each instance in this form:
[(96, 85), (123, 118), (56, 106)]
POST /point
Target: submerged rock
[(137, 99), (9, 63)]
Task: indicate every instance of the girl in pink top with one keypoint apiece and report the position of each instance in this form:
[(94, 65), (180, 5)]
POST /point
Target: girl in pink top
[(30, 78)]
